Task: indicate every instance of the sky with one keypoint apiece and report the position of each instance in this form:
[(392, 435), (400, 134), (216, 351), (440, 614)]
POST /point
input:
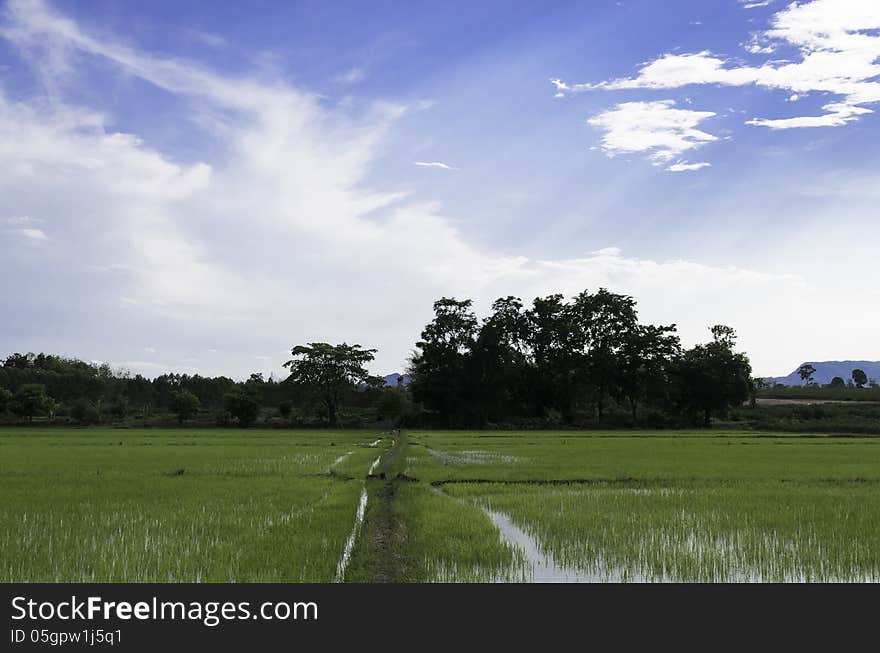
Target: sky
[(198, 186)]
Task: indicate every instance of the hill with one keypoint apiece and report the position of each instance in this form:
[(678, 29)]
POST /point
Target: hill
[(827, 370), (391, 379)]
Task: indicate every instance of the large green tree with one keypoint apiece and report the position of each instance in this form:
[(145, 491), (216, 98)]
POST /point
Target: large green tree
[(327, 370)]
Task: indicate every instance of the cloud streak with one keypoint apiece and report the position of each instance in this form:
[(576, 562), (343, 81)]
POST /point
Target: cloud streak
[(434, 164)]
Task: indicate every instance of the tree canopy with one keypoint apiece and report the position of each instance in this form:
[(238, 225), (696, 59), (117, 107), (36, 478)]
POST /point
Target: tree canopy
[(563, 360), (327, 370)]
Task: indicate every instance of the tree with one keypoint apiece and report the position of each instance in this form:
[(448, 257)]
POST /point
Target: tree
[(553, 370), (646, 357), (285, 408), (185, 405), (327, 370), (602, 324), (83, 411), (494, 369), (859, 378), (757, 384), (5, 399), (713, 377), (806, 372), (30, 400), (119, 407), (440, 369), (243, 406), (837, 382)]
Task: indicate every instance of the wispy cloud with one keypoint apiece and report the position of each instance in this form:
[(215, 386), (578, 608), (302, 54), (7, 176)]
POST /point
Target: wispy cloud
[(32, 234), (683, 166), (351, 76), (23, 220), (434, 164)]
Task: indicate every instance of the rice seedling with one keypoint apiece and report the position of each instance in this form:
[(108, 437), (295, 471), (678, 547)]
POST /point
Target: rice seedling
[(165, 506)]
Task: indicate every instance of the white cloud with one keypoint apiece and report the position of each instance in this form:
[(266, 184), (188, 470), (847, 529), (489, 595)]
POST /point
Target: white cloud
[(836, 114), (754, 4), (656, 129), (434, 164), (32, 234), (683, 166), (838, 46)]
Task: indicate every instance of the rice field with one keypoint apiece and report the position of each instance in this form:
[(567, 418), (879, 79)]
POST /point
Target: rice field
[(666, 507), (178, 506), (106, 505)]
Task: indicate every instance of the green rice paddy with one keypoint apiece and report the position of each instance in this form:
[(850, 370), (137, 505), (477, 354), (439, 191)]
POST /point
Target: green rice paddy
[(280, 506)]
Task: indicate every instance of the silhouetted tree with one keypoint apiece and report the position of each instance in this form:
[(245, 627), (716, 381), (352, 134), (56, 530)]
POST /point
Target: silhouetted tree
[(859, 378), (647, 355), (713, 376), (328, 370), (439, 370), (806, 372)]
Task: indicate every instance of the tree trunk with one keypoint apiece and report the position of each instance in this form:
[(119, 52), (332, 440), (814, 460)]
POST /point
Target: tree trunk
[(707, 420)]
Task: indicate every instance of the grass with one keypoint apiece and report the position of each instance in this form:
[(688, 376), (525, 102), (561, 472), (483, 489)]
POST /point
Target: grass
[(639, 456), (177, 506)]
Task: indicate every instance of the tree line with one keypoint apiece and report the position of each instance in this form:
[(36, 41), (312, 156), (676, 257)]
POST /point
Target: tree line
[(579, 362), (585, 361), (64, 390)]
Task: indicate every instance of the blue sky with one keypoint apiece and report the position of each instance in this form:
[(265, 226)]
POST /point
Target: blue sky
[(198, 186)]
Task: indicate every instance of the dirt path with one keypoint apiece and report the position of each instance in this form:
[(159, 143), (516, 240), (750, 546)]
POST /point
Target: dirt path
[(379, 556)]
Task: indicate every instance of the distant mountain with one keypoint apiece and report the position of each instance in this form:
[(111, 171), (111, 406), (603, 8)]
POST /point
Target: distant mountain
[(391, 379), (827, 370)]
